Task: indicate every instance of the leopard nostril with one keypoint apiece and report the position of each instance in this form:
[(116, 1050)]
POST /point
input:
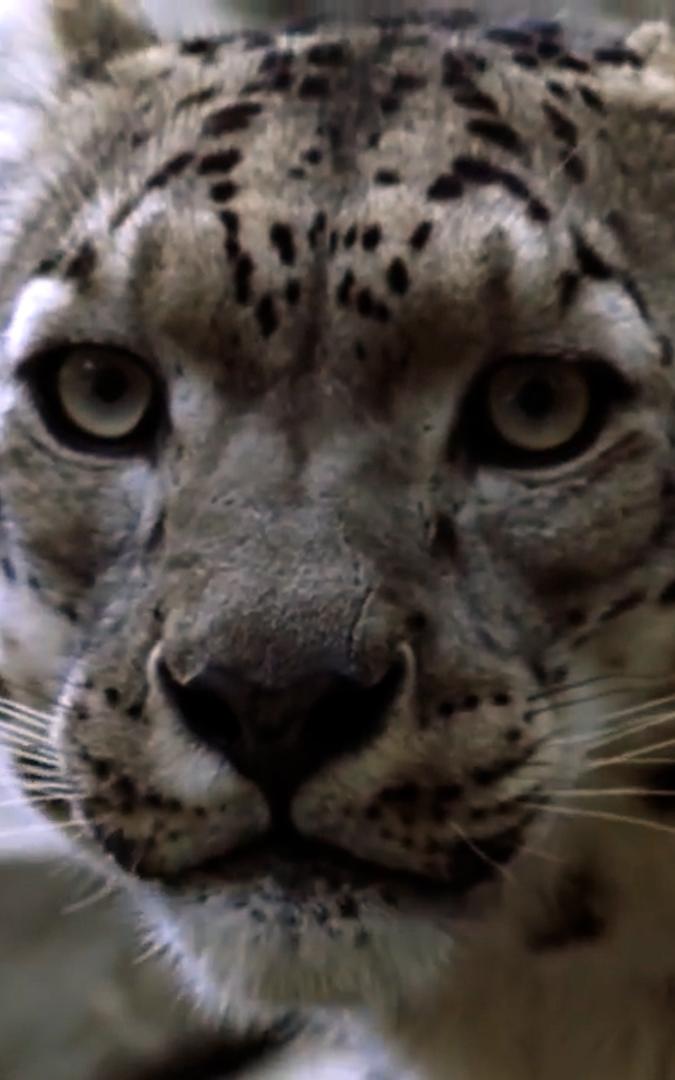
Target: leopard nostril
[(279, 737)]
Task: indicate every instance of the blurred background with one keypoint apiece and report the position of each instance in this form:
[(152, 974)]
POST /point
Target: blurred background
[(77, 999)]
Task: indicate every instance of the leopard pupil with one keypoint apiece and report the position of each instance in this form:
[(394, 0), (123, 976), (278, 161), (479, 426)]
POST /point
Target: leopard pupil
[(110, 385), (536, 400)]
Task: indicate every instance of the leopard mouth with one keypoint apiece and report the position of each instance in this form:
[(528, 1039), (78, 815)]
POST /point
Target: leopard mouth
[(298, 863)]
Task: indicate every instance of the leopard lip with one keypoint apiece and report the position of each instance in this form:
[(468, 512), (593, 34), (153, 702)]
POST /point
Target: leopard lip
[(294, 860)]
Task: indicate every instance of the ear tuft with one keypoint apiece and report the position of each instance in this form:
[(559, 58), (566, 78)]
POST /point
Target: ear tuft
[(92, 32)]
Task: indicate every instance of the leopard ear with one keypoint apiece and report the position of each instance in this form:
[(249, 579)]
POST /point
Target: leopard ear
[(90, 33), (654, 43)]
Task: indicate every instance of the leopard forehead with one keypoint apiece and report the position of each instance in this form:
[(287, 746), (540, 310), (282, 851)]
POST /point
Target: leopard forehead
[(272, 179)]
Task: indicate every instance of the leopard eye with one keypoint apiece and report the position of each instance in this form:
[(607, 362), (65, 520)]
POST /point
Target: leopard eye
[(535, 412), (96, 398), (538, 407)]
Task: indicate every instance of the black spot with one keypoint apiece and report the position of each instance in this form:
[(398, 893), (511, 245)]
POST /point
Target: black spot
[(267, 317), (281, 237), (623, 605), (169, 171), (365, 303), (297, 173), (471, 98), (471, 702), (371, 237), (293, 292), (314, 86), (667, 596), (446, 709), (484, 776), (569, 289), (591, 264), (557, 89), (283, 80), (548, 50), (49, 264), (275, 59), (454, 71), (222, 162), (316, 229), (398, 278), (576, 917), (82, 265), (348, 908), (230, 220), (637, 296), (505, 35), (618, 55), (243, 274), (231, 118), (405, 82), (592, 99), (390, 103), (574, 63), (538, 211), (476, 170), (561, 126), (344, 289), (446, 186), (575, 167), (350, 237), (498, 133), (69, 612), (8, 570), (420, 236), (224, 191), (199, 97), (525, 60), (387, 177), (501, 700), (327, 54), (313, 156), (199, 46), (123, 213)]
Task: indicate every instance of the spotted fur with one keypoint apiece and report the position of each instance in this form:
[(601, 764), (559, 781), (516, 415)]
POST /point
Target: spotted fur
[(307, 599)]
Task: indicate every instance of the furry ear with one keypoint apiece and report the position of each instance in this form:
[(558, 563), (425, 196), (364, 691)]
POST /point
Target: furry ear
[(654, 42), (92, 32)]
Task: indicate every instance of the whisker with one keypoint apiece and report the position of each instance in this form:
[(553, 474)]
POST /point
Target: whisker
[(635, 729), (634, 754), (102, 892), (153, 950), (27, 710), (581, 684), (475, 847), (597, 793), (618, 733), (602, 815), (625, 759)]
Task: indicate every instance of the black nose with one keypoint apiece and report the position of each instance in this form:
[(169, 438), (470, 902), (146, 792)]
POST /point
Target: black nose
[(279, 738)]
